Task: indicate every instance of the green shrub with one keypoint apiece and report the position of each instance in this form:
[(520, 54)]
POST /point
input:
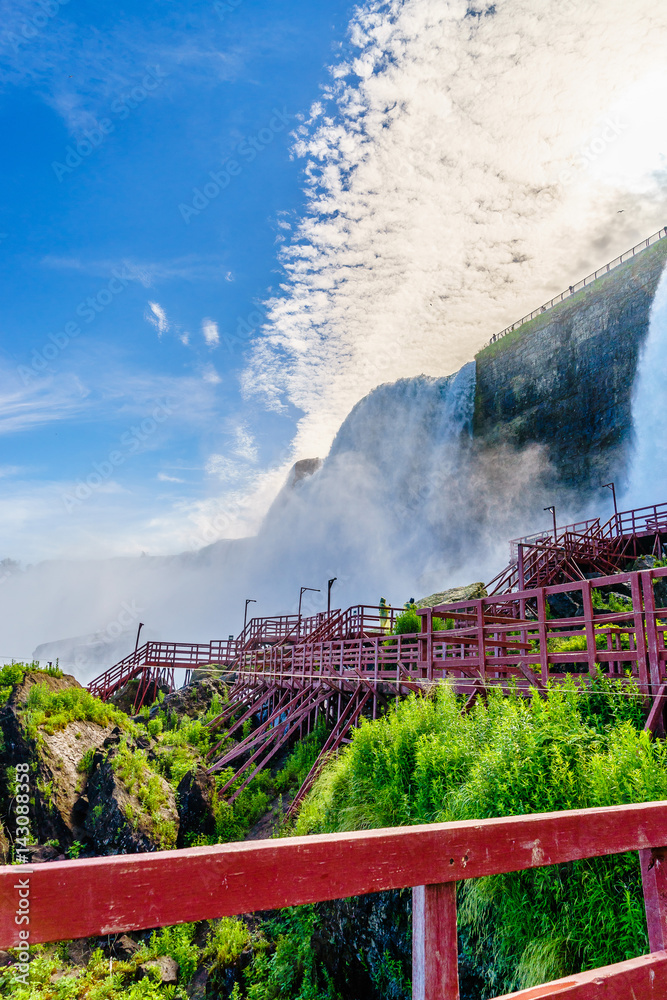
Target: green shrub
[(145, 784), (427, 762), (178, 943), (228, 940), (53, 710), (286, 967)]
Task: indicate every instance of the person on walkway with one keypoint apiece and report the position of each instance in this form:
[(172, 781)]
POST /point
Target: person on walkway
[(384, 615)]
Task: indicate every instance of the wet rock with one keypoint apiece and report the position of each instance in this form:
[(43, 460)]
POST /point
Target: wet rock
[(54, 759), (195, 699), (38, 853), (452, 596), (117, 822), (59, 806), (166, 967), (197, 987), (79, 952), (69, 974), (124, 947), (195, 796), (659, 586), (568, 605)]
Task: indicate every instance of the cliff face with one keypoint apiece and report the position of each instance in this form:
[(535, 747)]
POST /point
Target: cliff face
[(565, 379)]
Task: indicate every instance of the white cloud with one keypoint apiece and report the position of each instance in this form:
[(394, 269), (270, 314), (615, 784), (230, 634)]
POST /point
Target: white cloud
[(158, 317), (245, 444), (190, 268), (226, 469), (43, 400), (210, 330), (438, 213), (164, 478), (210, 375)]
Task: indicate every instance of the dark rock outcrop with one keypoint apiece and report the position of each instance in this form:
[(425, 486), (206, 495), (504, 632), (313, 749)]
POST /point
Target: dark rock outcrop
[(564, 380), (4, 845), (117, 821), (195, 796)]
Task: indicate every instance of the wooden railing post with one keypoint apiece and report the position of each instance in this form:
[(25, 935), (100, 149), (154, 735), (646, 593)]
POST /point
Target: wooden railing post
[(654, 880), (435, 957), (651, 630)]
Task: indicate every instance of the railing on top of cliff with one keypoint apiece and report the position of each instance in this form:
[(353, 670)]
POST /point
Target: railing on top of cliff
[(627, 255)]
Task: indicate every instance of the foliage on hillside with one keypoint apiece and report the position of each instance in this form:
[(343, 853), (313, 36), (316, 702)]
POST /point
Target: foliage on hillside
[(13, 674), (427, 762)]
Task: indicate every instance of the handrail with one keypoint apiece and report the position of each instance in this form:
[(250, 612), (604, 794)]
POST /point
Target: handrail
[(108, 895), (625, 256)]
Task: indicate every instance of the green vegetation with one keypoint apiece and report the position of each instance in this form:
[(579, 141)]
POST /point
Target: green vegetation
[(233, 821), (13, 674), (141, 781), (286, 968), (409, 622), (50, 711), (426, 762), (96, 982), (276, 962)]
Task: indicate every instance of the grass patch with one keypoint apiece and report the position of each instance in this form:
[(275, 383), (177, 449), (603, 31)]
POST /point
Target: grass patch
[(50, 711), (145, 784), (13, 674), (426, 762)]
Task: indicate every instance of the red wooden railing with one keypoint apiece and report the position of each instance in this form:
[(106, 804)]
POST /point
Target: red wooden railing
[(77, 899), (493, 639), (544, 558)]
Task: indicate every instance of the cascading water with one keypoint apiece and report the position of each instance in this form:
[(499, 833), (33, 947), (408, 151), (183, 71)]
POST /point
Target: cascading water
[(647, 479), (405, 501)]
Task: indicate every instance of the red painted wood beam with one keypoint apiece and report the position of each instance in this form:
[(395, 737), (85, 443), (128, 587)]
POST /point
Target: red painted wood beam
[(654, 880), (73, 899), (435, 959), (643, 978)]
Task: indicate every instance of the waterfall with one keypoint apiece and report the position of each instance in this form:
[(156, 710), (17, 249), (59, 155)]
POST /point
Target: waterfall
[(647, 479)]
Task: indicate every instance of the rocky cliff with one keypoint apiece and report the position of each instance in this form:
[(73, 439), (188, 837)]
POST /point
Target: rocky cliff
[(565, 379)]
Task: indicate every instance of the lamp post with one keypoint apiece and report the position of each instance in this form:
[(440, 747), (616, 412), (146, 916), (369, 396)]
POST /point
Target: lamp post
[(612, 487), (316, 590), (136, 643), (329, 586), (553, 511), (249, 600)]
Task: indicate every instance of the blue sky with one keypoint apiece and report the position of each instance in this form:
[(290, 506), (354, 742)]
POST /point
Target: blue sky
[(396, 182), (111, 117)]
